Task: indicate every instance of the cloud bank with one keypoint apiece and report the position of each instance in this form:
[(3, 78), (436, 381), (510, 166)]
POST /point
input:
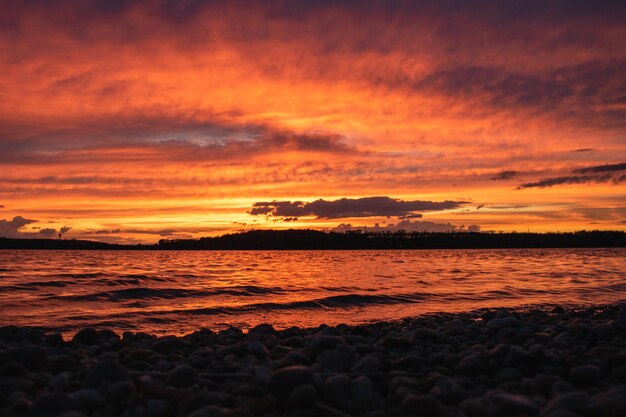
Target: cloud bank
[(349, 207)]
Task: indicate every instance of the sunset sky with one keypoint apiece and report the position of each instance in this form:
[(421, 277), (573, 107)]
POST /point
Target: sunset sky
[(134, 121)]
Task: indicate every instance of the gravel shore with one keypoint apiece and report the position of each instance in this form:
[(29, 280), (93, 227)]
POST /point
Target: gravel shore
[(554, 363)]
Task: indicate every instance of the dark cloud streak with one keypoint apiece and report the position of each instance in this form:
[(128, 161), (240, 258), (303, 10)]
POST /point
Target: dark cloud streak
[(350, 207)]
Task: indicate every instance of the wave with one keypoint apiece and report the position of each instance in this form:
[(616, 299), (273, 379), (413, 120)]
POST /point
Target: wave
[(143, 293)]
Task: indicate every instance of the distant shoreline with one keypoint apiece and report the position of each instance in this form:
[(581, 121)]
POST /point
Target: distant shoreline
[(294, 239)]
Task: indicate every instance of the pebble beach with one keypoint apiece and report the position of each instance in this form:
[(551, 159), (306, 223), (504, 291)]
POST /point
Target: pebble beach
[(497, 362)]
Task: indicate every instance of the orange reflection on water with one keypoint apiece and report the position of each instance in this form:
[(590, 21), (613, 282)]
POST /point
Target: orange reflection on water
[(179, 292)]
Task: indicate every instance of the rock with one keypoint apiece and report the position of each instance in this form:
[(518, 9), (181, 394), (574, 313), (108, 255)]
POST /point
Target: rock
[(54, 339), (105, 371), (422, 405), (362, 389), (448, 392), (410, 362), (501, 323), (182, 376), (333, 361), (471, 365), (12, 369), (605, 331), (611, 403), (562, 341), (367, 364), (86, 336), (336, 390), (504, 404), (88, 399), (585, 375), (257, 349), (324, 342), (575, 402), (393, 342), (60, 382), (507, 374), (30, 356), (303, 396), (213, 411), (120, 393), (283, 381), (134, 411), (425, 334), (261, 374), (157, 407), (48, 405), (262, 329), (169, 344)]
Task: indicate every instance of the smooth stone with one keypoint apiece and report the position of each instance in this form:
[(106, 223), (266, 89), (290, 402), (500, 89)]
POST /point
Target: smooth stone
[(471, 365), (88, 399), (333, 361), (367, 364), (575, 401), (120, 392), (13, 369), (501, 323), (86, 336), (157, 407), (422, 405), (262, 374), (262, 329), (362, 389), (507, 374), (501, 403), (303, 396), (169, 344), (47, 405), (337, 390), (105, 371), (449, 392), (611, 403), (605, 331), (213, 411), (284, 380), (182, 376), (585, 375), (425, 334), (30, 356), (257, 349), (324, 342)]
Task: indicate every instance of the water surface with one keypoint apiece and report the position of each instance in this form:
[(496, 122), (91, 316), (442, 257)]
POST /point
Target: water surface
[(179, 292)]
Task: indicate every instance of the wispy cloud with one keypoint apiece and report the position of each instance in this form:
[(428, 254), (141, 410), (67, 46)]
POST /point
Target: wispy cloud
[(593, 174)]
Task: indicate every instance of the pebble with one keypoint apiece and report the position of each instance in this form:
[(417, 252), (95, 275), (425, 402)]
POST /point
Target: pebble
[(283, 381), (585, 375), (324, 342), (303, 396), (257, 349), (182, 376), (490, 363), (105, 371), (333, 361), (48, 405), (30, 356)]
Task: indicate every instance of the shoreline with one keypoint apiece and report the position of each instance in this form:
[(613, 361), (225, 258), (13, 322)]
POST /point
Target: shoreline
[(487, 362)]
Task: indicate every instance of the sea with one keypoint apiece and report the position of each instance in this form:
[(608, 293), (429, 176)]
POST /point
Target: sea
[(178, 292)]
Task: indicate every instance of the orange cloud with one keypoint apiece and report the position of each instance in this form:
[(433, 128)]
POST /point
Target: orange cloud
[(148, 116)]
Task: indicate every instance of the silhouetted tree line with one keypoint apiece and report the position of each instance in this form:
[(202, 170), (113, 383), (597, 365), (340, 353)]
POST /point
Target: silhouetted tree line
[(298, 239)]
